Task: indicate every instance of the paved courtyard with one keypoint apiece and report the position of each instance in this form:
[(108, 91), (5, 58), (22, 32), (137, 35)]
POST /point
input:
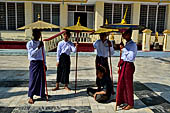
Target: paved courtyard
[(151, 87)]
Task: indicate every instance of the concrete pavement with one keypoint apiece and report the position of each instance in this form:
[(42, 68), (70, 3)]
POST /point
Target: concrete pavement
[(151, 86)]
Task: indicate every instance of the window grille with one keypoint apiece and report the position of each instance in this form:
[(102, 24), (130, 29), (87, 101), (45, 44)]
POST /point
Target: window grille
[(143, 15), (55, 15), (128, 16), (80, 7), (71, 7), (20, 15), (152, 17), (161, 19), (50, 13), (11, 16), (90, 8), (108, 12), (37, 11), (148, 17), (115, 12), (2, 16), (46, 13)]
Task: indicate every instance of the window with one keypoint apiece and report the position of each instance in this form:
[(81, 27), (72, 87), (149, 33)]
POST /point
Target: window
[(71, 7), (37, 11), (12, 15), (161, 19), (80, 7), (48, 12), (115, 12), (85, 12), (55, 14), (108, 12), (20, 15), (153, 17), (2, 16), (143, 15)]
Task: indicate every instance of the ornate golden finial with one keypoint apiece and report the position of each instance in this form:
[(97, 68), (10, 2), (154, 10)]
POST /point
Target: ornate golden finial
[(39, 17), (106, 23), (124, 18), (156, 37), (78, 22), (112, 36)]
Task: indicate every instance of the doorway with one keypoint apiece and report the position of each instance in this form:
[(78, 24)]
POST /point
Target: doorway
[(83, 18)]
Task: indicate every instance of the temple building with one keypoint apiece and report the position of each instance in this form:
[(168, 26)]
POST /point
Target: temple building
[(154, 14)]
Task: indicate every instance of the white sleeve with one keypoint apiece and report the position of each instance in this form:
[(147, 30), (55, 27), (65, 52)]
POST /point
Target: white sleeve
[(95, 44), (73, 49), (58, 52), (129, 55), (112, 50), (32, 51)]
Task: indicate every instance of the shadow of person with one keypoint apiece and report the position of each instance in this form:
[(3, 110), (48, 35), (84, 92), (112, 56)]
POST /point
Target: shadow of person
[(153, 96)]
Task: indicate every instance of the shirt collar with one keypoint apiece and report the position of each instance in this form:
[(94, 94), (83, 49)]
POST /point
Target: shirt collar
[(129, 42)]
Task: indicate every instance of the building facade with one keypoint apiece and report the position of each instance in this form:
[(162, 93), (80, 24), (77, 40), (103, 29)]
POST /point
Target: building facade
[(93, 13)]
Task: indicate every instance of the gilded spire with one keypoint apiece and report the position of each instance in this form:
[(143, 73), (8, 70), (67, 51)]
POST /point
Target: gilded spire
[(124, 17), (78, 22)]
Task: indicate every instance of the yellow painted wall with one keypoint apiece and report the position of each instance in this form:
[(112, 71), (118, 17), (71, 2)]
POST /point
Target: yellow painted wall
[(168, 17), (135, 13), (99, 14), (63, 15)]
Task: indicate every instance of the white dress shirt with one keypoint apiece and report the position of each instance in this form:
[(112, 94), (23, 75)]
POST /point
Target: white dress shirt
[(33, 52), (103, 48), (129, 51), (65, 47)]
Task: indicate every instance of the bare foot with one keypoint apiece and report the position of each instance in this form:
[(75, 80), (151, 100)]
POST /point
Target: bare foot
[(128, 107), (56, 88), (31, 101), (67, 88)]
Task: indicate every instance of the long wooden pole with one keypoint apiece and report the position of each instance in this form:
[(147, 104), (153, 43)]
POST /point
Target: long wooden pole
[(111, 75), (76, 63), (119, 75), (44, 72)]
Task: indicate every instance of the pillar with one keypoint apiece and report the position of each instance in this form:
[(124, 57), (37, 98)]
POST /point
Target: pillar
[(99, 14), (146, 40), (168, 17), (28, 19), (135, 20), (63, 15), (166, 41)]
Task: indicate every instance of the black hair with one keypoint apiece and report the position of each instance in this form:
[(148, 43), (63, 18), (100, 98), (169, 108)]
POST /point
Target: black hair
[(104, 34), (35, 32), (129, 31), (68, 33)]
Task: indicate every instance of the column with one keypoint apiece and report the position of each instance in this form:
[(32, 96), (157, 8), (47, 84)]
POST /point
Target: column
[(28, 19), (63, 15), (99, 14), (135, 20), (166, 44), (146, 40), (168, 17)]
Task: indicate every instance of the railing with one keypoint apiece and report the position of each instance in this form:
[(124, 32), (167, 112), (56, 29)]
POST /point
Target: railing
[(83, 37), (51, 43)]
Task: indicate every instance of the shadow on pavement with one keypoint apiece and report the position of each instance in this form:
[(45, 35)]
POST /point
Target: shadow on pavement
[(151, 99)]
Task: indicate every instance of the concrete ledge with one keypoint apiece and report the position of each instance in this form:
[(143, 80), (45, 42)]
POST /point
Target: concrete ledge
[(23, 52)]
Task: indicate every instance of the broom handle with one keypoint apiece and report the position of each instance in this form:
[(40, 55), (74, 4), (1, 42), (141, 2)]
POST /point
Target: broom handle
[(44, 73), (76, 64)]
